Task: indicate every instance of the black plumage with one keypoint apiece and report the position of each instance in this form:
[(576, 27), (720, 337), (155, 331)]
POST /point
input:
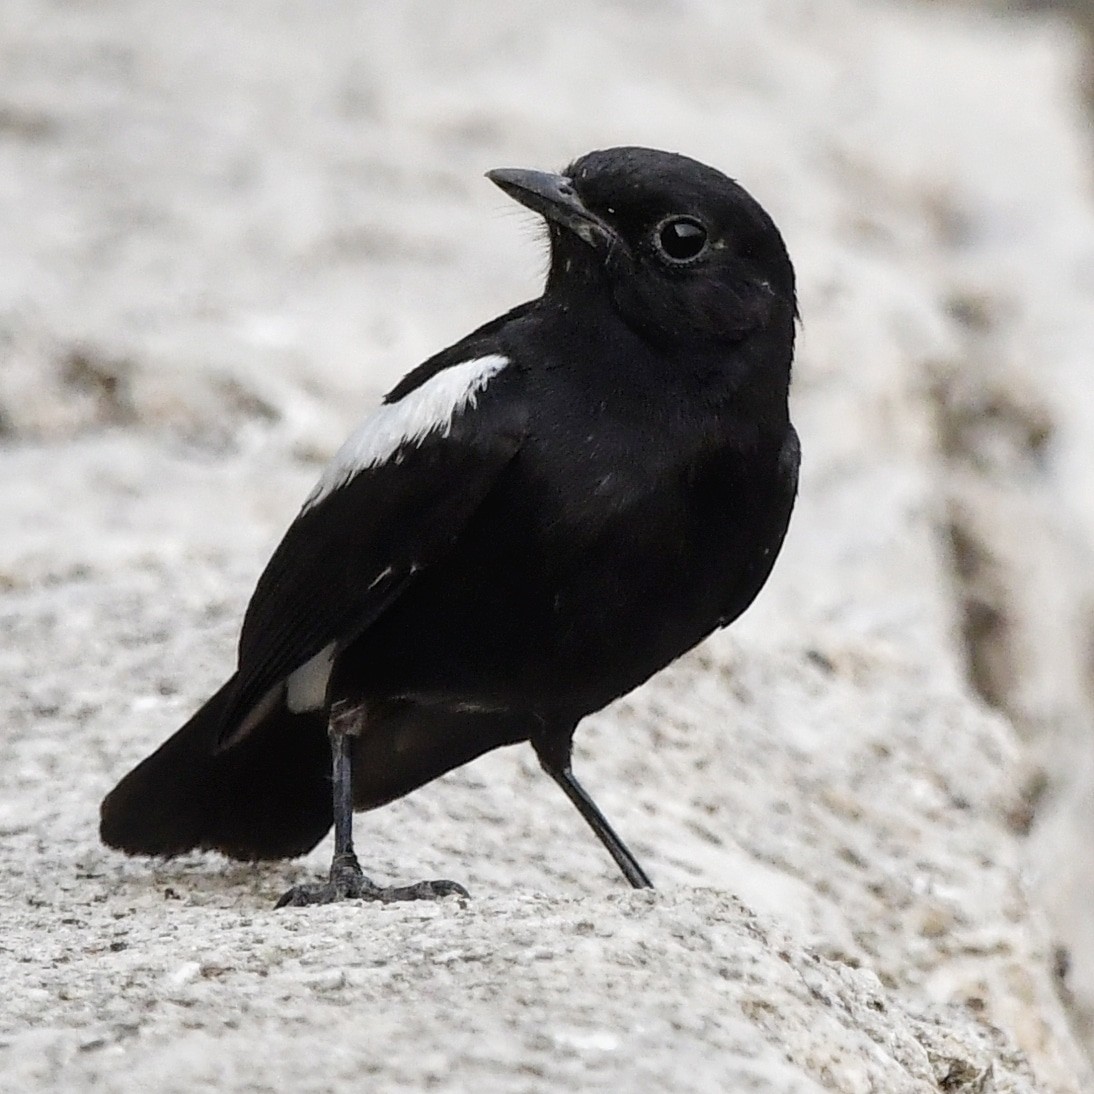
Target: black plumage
[(535, 521)]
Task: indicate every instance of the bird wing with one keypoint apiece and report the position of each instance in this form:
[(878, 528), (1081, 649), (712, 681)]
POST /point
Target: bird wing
[(391, 502)]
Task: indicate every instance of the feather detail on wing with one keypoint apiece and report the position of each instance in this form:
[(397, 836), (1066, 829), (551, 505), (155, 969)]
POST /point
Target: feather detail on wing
[(393, 500)]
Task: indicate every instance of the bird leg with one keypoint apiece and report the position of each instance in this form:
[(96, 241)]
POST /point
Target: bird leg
[(347, 880), (555, 760)]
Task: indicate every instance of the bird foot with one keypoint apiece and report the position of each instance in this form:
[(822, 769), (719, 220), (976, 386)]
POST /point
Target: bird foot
[(348, 882)]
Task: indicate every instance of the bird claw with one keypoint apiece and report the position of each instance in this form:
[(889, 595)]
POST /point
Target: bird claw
[(436, 889), (348, 882)]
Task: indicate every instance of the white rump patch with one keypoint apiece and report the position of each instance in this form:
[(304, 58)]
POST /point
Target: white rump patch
[(430, 408), (306, 687)]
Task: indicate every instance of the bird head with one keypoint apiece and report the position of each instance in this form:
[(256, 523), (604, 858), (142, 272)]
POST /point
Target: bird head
[(683, 250)]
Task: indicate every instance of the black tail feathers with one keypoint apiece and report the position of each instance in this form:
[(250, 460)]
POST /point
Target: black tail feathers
[(268, 797)]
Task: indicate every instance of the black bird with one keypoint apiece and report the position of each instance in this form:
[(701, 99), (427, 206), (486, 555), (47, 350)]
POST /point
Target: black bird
[(535, 521)]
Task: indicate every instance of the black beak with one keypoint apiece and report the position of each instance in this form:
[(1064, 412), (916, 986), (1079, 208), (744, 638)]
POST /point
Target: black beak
[(554, 197)]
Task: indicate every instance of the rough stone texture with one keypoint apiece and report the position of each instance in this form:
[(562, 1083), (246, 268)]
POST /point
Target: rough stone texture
[(228, 227)]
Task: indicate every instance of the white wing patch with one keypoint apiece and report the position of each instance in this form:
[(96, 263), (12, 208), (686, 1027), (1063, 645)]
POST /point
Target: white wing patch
[(306, 687), (430, 408)]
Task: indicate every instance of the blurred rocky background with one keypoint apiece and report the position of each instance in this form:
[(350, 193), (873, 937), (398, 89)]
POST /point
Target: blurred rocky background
[(226, 229)]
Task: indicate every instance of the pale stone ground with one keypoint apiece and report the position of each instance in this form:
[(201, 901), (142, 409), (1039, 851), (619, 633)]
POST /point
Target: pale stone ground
[(226, 228)]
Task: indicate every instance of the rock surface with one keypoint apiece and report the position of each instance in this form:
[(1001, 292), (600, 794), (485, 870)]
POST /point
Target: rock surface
[(229, 227)]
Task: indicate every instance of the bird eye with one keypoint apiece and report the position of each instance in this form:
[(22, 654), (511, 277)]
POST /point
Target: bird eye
[(681, 239)]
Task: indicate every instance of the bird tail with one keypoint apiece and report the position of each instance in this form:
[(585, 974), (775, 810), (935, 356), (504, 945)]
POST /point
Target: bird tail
[(268, 797)]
